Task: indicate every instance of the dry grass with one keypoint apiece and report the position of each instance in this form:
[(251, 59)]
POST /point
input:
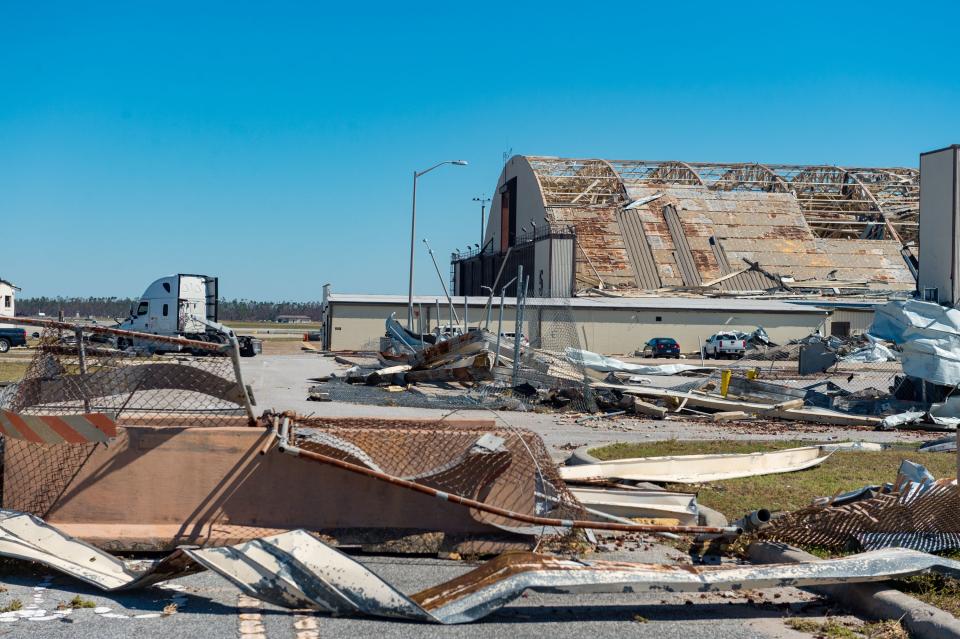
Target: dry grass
[(12, 370), (783, 492), (832, 628)]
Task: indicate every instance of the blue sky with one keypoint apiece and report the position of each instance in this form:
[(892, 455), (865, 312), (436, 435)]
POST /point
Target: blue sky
[(272, 144)]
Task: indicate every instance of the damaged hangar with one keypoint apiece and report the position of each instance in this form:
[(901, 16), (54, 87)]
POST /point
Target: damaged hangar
[(582, 227), (641, 249)]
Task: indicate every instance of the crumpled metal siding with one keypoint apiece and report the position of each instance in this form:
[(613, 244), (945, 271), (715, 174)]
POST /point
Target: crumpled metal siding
[(907, 519), (296, 570)]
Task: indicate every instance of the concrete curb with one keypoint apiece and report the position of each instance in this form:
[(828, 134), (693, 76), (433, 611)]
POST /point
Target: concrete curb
[(870, 600)]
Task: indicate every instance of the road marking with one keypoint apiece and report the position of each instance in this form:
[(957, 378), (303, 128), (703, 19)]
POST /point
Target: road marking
[(249, 620), (305, 623)]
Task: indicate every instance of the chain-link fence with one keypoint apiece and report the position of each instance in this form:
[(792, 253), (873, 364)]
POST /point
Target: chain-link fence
[(553, 333), (131, 378), (503, 466), (842, 370)]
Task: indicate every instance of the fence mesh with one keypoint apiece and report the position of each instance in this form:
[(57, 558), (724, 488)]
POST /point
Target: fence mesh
[(504, 466), (84, 371), (553, 332)]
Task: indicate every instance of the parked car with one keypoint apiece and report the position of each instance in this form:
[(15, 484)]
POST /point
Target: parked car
[(661, 347), (10, 337), (724, 345)]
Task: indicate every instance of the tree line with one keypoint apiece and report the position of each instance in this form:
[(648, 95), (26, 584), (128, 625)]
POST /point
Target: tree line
[(119, 307)]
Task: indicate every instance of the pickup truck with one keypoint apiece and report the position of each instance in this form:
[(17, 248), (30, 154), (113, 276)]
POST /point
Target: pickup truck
[(10, 337), (728, 345)]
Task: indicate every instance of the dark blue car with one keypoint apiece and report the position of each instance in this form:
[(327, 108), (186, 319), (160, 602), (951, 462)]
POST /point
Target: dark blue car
[(662, 347)]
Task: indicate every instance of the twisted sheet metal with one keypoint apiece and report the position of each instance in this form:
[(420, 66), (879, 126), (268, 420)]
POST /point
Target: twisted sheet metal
[(295, 570), (928, 520)]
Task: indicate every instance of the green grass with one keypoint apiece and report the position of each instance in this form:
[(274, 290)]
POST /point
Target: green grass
[(843, 471), (78, 602)]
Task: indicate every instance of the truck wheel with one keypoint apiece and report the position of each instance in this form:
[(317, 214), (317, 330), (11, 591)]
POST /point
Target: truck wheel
[(4, 345)]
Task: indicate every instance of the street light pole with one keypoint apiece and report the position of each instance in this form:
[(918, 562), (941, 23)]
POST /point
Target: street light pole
[(413, 232), (483, 207)]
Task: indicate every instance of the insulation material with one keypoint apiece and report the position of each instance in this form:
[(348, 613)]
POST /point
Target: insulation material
[(603, 364), (927, 333)]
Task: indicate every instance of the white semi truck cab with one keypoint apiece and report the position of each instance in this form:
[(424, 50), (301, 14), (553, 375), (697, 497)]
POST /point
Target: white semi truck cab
[(184, 305)]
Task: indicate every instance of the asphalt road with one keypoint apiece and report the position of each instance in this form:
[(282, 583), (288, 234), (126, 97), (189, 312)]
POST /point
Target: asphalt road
[(206, 606)]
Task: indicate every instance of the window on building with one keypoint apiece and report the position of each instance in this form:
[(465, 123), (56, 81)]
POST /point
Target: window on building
[(840, 329), (659, 319), (166, 310), (142, 309), (7, 301)]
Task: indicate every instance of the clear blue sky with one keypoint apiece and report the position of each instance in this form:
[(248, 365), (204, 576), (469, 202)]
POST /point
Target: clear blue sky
[(272, 143)]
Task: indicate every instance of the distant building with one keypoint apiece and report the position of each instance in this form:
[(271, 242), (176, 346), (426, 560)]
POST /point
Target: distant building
[(293, 319), (7, 295)]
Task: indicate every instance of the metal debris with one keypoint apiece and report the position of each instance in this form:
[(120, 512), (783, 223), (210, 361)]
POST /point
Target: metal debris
[(295, 570), (694, 469), (919, 513)]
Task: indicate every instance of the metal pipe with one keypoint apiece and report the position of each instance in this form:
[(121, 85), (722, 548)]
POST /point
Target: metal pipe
[(82, 361), (466, 322), (413, 234), (442, 283), (235, 358), (272, 437), (518, 322), (496, 280), (495, 510), (420, 322), (103, 330)]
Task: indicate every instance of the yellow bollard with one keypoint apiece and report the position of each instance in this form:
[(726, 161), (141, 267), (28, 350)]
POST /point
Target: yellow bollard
[(753, 373), (724, 382)]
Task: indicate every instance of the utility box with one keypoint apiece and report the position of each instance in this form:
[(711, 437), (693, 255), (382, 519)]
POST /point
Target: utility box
[(938, 279)]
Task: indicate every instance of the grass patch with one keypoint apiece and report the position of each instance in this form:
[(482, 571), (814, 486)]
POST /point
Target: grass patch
[(936, 590), (78, 602), (831, 628), (12, 370), (843, 471), (13, 606)]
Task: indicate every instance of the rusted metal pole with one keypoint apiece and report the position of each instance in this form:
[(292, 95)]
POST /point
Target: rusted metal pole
[(284, 447)]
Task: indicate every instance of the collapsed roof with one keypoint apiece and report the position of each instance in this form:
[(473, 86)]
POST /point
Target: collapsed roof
[(653, 225)]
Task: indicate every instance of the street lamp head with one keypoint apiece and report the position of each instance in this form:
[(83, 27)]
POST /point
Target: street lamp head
[(459, 162)]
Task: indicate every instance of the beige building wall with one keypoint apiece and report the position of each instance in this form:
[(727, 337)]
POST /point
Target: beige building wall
[(359, 326), (859, 319), (607, 331), (621, 332)]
